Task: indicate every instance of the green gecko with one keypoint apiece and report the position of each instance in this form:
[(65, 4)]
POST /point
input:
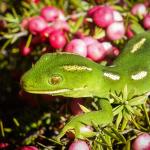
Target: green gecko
[(74, 76)]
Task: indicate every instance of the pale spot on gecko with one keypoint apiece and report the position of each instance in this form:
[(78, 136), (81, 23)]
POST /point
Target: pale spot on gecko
[(73, 68), (111, 76), (138, 45), (140, 75)]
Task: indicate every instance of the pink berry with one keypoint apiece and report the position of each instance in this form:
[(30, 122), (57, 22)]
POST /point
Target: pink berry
[(75, 108), (57, 39), (49, 13), (46, 32), (79, 35), (86, 130), (33, 1), (146, 21), (24, 51), (37, 24), (61, 16), (107, 47), (111, 51), (77, 46), (116, 51), (79, 145), (139, 9), (96, 52), (36, 1), (89, 40), (25, 23), (27, 148), (91, 11), (103, 16), (142, 142), (117, 16), (147, 3), (61, 25), (115, 31), (129, 32), (4, 145)]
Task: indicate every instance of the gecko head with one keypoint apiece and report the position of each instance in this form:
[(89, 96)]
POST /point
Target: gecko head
[(59, 74)]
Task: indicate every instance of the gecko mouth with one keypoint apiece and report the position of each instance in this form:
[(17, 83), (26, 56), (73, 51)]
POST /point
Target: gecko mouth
[(55, 92), (49, 92)]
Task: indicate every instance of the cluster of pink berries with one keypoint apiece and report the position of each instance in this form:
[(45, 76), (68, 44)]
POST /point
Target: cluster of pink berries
[(140, 10), (91, 48), (109, 19), (87, 46), (49, 26)]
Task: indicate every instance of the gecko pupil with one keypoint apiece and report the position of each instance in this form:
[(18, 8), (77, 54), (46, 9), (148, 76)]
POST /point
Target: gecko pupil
[(55, 80)]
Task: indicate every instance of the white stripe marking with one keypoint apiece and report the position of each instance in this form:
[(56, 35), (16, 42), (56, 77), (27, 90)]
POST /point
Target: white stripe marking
[(138, 45), (139, 75), (111, 76)]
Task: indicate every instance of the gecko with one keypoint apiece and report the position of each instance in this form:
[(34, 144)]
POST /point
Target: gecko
[(71, 75)]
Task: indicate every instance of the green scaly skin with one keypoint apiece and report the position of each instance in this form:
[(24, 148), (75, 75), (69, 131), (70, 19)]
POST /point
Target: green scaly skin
[(71, 75)]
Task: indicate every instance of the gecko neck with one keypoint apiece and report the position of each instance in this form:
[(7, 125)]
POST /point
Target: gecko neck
[(109, 81)]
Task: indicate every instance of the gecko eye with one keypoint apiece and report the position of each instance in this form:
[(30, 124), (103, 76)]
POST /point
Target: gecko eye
[(55, 79)]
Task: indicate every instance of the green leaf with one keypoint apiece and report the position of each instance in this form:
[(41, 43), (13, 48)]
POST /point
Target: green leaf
[(117, 110), (84, 109), (110, 134), (16, 122), (8, 36), (137, 111), (78, 24), (119, 135), (99, 33), (7, 42), (2, 128), (133, 18), (126, 114), (129, 3), (129, 108), (118, 8), (119, 119), (116, 98), (127, 146), (124, 124), (77, 4), (104, 142), (51, 140), (137, 125), (7, 130), (137, 28), (137, 100)]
